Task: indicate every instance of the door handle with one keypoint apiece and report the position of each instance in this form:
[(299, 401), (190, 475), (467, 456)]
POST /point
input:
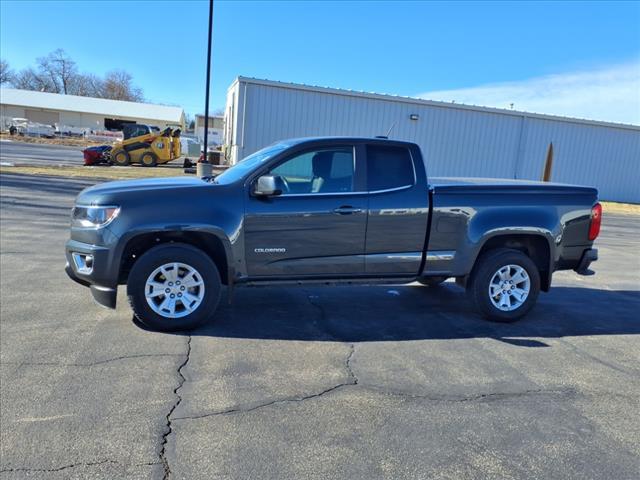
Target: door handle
[(346, 210)]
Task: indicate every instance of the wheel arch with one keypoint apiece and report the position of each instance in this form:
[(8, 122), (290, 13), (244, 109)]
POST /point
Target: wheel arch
[(212, 243), (536, 245)]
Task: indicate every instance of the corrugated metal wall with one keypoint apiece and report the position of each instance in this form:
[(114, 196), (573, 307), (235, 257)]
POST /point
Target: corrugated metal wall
[(455, 141)]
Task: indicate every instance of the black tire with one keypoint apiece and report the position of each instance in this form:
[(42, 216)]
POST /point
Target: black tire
[(167, 254), (149, 159), (479, 283), (121, 158), (432, 281)]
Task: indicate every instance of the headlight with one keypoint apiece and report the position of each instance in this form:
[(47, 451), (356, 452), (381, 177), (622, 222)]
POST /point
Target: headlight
[(93, 217)]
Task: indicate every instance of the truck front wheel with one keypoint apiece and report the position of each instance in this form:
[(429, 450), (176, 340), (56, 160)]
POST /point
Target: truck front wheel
[(504, 285), (173, 287)]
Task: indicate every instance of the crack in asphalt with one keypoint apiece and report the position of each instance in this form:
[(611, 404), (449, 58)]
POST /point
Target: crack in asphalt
[(323, 315), (241, 409), (434, 398), (353, 380), (91, 364), (58, 469), (75, 465), (169, 428), (347, 364), (478, 397)]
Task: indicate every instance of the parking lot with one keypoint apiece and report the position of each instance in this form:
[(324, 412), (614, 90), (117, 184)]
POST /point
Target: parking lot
[(22, 154), (15, 152), (345, 382)]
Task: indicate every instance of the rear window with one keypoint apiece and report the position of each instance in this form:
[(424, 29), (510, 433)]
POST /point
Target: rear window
[(389, 167)]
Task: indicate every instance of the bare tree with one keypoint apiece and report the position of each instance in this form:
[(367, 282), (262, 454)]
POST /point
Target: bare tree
[(59, 69), (29, 79), (58, 73), (118, 86), (87, 85), (6, 74)]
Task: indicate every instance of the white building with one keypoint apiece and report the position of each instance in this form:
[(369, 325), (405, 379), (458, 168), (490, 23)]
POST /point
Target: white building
[(456, 140), (216, 128), (84, 112)]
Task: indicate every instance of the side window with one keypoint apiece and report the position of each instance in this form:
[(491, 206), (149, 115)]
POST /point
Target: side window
[(139, 130), (389, 167), (318, 171)]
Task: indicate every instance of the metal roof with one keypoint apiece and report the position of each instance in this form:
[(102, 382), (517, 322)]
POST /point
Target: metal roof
[(99, 106), (432, 103)]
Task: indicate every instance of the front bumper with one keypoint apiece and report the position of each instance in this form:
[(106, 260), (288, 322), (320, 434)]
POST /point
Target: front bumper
[(99, 278), (589, 256), (104, 296)]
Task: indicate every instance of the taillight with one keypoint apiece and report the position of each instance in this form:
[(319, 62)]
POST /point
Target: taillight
[(596, 220)]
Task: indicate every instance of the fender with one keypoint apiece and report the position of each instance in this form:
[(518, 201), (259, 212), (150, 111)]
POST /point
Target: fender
[(488, 223), (525, 231), (191, 227), (521, 221)]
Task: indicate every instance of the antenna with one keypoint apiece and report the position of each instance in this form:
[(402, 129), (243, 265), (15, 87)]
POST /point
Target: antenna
[(391, 128)]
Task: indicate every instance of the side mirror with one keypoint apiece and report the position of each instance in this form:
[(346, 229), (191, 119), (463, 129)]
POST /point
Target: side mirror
[(266, 186)]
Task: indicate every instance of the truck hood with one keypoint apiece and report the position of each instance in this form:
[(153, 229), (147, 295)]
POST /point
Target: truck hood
[(109, 190)]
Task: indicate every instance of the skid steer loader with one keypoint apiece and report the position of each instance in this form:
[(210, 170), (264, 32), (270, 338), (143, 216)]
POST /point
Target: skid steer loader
[(146, 145)]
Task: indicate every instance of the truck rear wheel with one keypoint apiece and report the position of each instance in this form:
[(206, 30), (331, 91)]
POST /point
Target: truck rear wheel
[(504, 285), (174, 287)]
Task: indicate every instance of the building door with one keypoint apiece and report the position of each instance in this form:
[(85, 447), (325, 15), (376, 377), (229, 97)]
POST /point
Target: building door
[(42, 116)]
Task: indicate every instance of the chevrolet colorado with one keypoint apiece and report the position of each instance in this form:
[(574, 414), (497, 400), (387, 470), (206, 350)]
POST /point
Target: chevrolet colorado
[(327, 210)]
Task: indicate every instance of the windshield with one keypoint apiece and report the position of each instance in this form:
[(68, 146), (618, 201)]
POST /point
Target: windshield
[(250, 163)]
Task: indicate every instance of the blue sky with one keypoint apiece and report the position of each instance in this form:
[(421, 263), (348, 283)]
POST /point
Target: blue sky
[(492, 53)]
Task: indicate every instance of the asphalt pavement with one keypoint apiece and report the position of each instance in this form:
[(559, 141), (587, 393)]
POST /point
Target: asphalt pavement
[(34, 154), (16, 153), (340, 383)]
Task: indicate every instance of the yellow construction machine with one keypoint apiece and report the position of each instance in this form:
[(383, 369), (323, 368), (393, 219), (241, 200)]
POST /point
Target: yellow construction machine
[(146, 145)]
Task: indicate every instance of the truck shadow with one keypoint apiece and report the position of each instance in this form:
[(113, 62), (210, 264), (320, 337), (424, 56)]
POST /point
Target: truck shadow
[(400, 313)]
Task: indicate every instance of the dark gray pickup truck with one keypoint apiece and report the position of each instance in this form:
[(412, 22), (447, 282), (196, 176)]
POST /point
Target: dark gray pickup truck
[(326, 210)]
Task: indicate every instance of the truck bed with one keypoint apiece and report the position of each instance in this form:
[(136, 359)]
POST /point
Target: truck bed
[(467, 212), (456, 184)]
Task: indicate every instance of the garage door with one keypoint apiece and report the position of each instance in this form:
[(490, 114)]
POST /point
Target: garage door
[(40, 116)]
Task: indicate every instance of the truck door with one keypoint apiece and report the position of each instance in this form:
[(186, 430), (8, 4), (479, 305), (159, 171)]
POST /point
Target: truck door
[(316, 227), (398, 210)]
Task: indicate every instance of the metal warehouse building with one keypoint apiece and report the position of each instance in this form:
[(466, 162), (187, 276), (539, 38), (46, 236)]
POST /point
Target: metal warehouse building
[(84, 112), (457, 140)]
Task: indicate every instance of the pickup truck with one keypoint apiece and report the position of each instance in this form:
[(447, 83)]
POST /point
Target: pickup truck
[(326, 210)]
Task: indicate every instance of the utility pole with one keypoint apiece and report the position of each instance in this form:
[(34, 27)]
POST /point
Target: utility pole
[(204, 168)]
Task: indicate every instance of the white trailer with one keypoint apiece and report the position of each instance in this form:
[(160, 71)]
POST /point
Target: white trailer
[(457, 140)]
